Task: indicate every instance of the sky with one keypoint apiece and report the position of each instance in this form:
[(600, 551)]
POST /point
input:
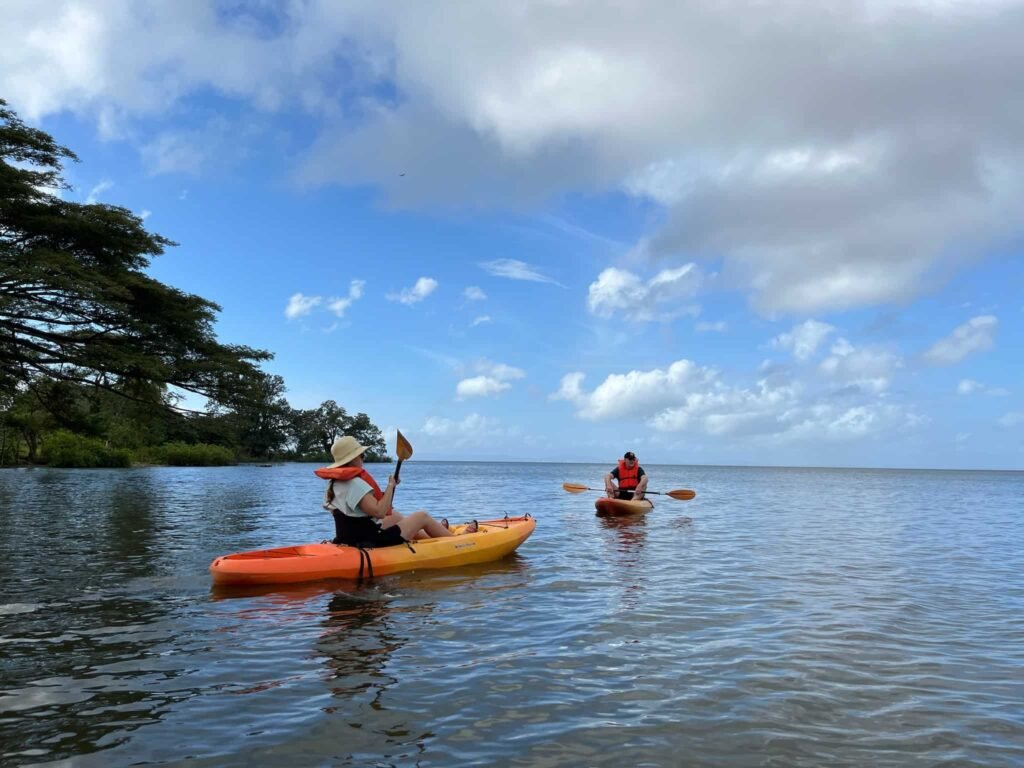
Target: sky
[(710, 232)]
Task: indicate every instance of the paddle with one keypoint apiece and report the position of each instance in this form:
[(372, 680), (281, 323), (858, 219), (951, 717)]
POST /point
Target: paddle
[(681, 494), (404, 451)]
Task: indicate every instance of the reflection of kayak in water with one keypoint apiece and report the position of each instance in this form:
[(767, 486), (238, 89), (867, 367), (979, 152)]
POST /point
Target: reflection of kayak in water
[(619, 507), (311, 562)]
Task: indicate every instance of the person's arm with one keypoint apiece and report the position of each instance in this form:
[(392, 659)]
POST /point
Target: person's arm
[(609, 486), (379, 509)]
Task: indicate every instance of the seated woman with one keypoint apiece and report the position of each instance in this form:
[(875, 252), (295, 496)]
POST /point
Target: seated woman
[(363, 515)]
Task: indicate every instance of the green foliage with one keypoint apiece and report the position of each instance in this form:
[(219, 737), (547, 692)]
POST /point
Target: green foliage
[(64, 449), (94, 352), (76, 304), (184, 455)]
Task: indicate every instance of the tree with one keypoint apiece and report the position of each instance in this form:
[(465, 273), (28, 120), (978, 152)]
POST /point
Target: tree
[(260, 414), (75, 302), (363, 430)]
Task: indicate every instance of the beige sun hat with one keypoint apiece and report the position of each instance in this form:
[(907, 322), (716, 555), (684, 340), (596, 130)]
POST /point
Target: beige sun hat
[(345, 449)]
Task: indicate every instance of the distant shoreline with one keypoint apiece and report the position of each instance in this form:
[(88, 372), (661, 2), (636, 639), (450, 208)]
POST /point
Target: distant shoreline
[(522, 461)]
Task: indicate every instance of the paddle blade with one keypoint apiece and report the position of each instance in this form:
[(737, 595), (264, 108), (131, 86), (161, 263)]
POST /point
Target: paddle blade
[(682, 495), (574, 487), (402, 447)]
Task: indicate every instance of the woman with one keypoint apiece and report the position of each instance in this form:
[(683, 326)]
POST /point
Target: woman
[(363, 515)]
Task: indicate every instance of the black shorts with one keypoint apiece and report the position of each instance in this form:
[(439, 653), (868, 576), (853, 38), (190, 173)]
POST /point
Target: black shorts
[(386, 537), (364, 532)]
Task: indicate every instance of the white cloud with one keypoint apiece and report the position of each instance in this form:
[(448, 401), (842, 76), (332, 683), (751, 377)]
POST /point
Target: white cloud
[(300, 305), (968, 386), (803, 339), (474, 293), (493, 379), (409, 296), (145, 214), (814, 180), (666, 295), (513, 269), (474, 429), (99, 189), (870, 368), (1011, 419), (976, 335), (705, 326), (174, 153), (480, 386), (480, 320), (686, 397), (339, 305)]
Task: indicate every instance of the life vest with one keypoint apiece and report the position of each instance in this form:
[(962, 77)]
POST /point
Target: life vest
[(628, 478), (346, 473)]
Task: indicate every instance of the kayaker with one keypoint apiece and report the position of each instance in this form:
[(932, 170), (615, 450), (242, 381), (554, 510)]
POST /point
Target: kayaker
[(363, 514), (627, 481)]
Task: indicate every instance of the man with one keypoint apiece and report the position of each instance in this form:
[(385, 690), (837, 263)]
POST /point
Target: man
[(631, 479)]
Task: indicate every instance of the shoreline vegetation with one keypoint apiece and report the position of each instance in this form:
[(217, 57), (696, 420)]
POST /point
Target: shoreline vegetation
[(96, 356)]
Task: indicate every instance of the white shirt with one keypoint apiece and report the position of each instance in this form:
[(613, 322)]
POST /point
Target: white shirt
[(348, 494)]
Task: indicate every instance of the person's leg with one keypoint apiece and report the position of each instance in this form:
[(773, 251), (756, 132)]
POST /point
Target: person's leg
[(413, 523), (641, 487)]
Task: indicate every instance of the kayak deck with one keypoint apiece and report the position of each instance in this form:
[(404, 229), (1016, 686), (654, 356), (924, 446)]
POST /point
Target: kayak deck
[(312, 562), (621, 507)]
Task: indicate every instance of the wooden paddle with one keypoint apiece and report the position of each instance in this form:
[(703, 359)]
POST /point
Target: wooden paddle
[(404, 451), (681, 494)]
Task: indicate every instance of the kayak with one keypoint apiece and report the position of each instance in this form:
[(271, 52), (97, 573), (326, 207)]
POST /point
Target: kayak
[(620, 507), (311, 562)]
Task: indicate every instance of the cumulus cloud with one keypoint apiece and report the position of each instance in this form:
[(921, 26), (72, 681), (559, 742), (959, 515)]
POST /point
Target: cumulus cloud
[(685, 396), (976, 335), (300, 305), (474, 293), (513, 269), (870, 368), (480, 320), (417, 293), (493, 379), (338, 305), (803, 339), (665, 296), (809, 146)]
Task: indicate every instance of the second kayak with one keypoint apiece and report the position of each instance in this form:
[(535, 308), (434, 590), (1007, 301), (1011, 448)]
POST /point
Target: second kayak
[(621, 507), (311, 562)]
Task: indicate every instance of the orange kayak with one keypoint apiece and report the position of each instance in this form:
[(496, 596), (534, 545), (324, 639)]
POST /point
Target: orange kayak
[(311, 562), (620, 507)]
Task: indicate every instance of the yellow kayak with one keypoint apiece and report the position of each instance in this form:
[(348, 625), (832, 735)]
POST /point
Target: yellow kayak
[(311, 562)]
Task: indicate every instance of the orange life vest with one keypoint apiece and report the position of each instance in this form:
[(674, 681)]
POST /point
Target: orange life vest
[(628, 478), (349, 473)]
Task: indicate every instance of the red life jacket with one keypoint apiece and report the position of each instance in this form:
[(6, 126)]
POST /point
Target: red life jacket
[(628, 478), (350, 473)]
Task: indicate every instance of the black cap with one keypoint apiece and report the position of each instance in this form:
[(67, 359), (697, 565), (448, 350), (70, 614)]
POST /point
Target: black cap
[(630, 455)]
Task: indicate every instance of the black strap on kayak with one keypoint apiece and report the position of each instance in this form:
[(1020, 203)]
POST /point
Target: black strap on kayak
[(409, 545), (364, 563)]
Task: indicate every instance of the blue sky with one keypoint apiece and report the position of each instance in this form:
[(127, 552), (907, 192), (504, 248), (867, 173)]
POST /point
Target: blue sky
[(558, 231)]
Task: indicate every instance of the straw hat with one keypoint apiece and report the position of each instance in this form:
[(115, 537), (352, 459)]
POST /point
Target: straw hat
[(345, 449)]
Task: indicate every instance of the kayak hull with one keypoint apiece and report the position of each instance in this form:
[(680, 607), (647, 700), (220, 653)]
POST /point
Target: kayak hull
[(314, 562), (621, 507)]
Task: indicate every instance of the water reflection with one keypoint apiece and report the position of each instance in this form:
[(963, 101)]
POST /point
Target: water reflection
[(628, 537)]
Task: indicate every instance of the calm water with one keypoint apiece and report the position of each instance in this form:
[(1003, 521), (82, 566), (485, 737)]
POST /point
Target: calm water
[(783, 618)]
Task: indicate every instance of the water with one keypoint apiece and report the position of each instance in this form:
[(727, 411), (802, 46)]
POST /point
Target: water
[(785, 617)]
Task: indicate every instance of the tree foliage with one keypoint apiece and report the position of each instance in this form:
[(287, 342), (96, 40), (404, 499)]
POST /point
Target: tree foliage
[(94, 352), (75, 302)]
